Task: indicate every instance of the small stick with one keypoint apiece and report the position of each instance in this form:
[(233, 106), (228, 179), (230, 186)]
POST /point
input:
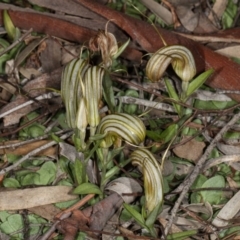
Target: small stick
[(209, 38), (184, 187), (17, 144), (65, 214), (75, 206), (32, 153), (16, 42), (41, 97)]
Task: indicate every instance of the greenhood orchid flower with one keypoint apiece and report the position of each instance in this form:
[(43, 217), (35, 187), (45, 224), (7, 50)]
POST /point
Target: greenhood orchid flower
[(179, 57), (81, 92), (152, 176), (121, 126)]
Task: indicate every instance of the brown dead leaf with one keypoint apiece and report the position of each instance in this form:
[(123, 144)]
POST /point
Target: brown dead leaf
[(29, 72), (159, 11), (48, 211), (196, 22), (204, 25), (232, 183), (217, 11), (34, 88), (102, 211), (51, 55), (174, 228), (94, 217), (32, 197), (26, 148), (188, 18), (232, 51), (191, 150)]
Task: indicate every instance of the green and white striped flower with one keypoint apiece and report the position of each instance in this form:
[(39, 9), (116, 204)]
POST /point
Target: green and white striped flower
[(92, 95), (152, 175), (81, 91), (71, 88), (124, 126), (179, 57)]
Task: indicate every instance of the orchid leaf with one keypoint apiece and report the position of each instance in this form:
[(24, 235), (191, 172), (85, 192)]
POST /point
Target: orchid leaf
[(173, 94), (198, 82)]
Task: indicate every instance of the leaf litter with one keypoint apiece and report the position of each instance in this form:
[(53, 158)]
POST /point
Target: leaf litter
[(182, 140)]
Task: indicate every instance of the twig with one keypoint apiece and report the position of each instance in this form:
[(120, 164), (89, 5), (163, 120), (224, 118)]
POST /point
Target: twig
[(32, 153), (227, 91), (210, 38), (170, 100), (146, 103), (41, 97), (54, 226), (17, 144), (184, 187), (76, 205), (16, 42), (65, 214)]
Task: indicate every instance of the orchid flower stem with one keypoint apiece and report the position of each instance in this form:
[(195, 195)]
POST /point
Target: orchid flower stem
[(185, 86), (93, 150), (92, 131), (105, 152), (184, 89)]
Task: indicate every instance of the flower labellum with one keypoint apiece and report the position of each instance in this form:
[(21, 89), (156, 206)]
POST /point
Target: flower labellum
[(180, 58), (127, 127)]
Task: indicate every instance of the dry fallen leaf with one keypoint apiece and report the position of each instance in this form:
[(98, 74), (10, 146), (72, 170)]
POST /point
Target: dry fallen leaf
[(218, 10), (230, 209), (191, 150), (51, 56), (34, 88), (232, 51), (32, 197), (48, 211), (26, 148), (159, 11), (125, 187)]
